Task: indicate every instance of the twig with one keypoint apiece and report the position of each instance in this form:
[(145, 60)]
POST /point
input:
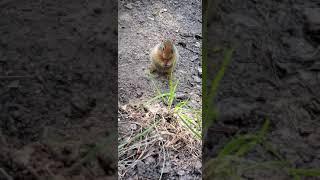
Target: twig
[(164, 162)]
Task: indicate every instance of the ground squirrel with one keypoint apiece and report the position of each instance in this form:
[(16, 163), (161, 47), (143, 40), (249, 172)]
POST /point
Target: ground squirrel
[(164, 57)]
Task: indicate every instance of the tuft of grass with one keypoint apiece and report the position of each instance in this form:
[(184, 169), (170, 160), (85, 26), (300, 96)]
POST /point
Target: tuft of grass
[(153, 135), (189, 117), (237, 148), (172, 92), (297, 173), (137, 137), (230, 162)]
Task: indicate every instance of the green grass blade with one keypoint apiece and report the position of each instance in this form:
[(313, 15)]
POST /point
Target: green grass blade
[(235, 144), (209, 111), (138, 135), (305, 172), (189, 127), (157, 97)]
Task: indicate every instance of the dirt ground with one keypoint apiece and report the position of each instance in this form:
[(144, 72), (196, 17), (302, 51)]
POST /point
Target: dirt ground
[(274, 74), (143, 24), (56, 81)]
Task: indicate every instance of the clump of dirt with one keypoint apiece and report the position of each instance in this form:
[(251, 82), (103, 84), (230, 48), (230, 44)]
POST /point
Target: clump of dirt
[(153, 144), (55, 86), (274, 74)]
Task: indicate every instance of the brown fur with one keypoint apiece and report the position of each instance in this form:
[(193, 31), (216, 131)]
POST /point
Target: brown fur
[(163, 57)]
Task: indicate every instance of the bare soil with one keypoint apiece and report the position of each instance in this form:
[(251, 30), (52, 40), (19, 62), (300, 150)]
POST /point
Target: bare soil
[(143, 24), (55, 86), (274, 74)]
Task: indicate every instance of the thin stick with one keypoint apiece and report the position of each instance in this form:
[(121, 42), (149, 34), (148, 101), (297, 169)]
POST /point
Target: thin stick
[(164, 162)]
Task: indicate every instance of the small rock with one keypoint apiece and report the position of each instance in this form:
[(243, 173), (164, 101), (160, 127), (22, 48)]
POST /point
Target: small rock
[(198, 37), (182, 44), (200, 71), (139, 94), (181, 172), (198, 165), (181, 96), (129, 6), (197, 79), (194, 58), (163, 10), (133, 126), (197, 44)]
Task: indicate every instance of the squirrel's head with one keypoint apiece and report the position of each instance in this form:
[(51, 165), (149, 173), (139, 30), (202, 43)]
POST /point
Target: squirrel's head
[(167, 49)]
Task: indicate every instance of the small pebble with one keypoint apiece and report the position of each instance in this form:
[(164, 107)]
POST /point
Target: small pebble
[(194, 58), (133, 126), (181, 172), (197, 44), (163, 10), (196, 79), (198, 165), (199, 71), (180, 95)]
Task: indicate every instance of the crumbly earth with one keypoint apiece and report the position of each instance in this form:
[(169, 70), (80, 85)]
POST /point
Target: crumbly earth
[(56, 81), (143, 24), (274, 74)]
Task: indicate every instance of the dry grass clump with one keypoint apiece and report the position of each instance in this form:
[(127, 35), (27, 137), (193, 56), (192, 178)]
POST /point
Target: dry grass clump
[(154, 137)]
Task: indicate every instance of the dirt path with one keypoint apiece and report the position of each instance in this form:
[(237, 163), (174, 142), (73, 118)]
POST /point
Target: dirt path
[(274, 74), (143, 24), (55, 77)]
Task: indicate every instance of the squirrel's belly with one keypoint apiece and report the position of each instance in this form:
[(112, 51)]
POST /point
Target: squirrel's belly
[(163, 69)]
